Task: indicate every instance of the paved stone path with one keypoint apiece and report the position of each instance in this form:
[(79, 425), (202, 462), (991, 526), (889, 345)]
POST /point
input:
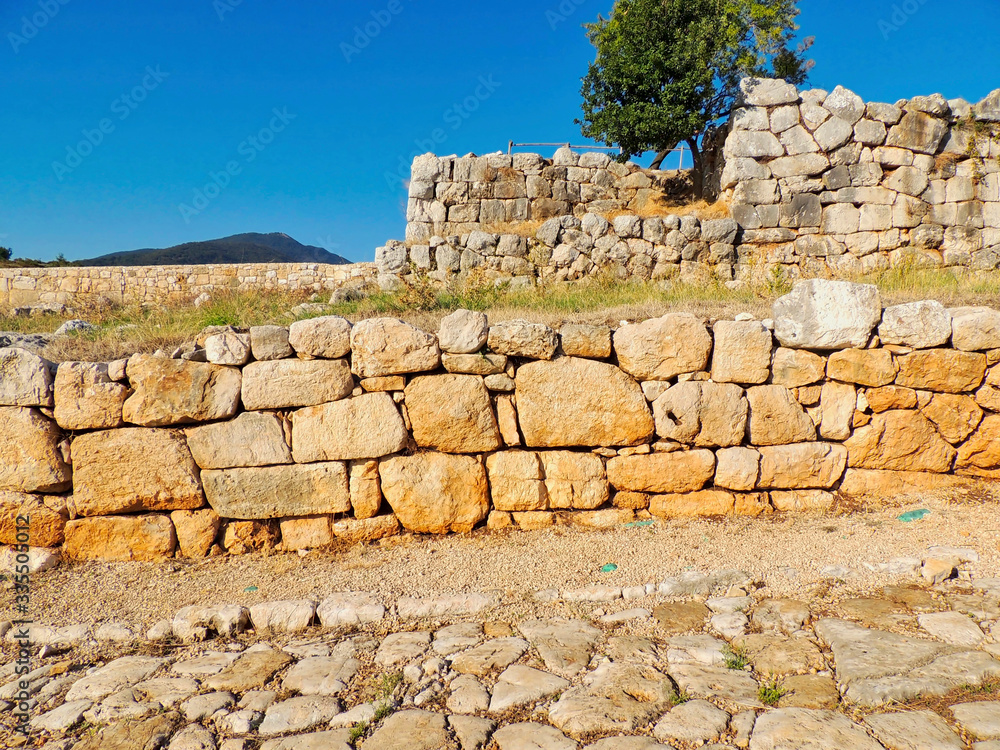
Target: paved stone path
[(698, 661)]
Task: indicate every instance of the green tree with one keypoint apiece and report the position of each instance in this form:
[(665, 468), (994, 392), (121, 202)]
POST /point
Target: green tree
[(5, 253), (669, 71)]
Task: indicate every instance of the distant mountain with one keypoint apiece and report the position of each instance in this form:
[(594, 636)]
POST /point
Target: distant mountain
[(240, 248)]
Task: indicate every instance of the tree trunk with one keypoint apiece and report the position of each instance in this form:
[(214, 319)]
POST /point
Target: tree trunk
[(659, 159), (698, 173)]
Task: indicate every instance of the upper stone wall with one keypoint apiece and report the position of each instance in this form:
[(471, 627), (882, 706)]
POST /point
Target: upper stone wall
[(25, 287), (831, 184)]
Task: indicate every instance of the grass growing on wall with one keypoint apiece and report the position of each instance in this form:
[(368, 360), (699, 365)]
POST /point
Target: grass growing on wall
[(126, 330)]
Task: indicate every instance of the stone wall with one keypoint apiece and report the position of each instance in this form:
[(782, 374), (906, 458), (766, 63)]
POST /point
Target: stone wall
[(825, 183), (322, 432), (457, 195), (25, 287)]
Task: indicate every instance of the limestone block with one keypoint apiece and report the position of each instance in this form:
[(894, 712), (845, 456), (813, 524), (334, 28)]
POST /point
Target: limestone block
[(134, 469), (821, 314), (196, 531), (278, 491), (838, 402), (693, 504), (365, 488), (148, 538), (517, 481), (357, 530), (918, 131), (292, 383), (801, 466), (767, 92), (588, 341), (173, 391), (269, 343), (574, 402), (463, 332), (742, 352), (794, 368), (386, 346), (663, 348), (664, 473), (306, 533), (434, 493), (228, 349), (328, 337), (242, 537), (366, 426), (956, 417), (941, 370), (452, 414), (921, 325), (776, 418), (574, 480), (900, 441), (252, 439), (46, 527), (891, 397), (25, 379), (870, 367), (860, 482), (519, 338), (737, 469), (753, 144), (982, 450), (87, 398), (975, 329)]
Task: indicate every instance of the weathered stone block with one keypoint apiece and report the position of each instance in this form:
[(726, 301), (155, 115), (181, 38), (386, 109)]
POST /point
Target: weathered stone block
[(821, 314), (662, 472), (742, 352), (365, 488), (519, 338), (663, 348), (172, 391), (134, 469), (87, 398), (252, 439), (328, 337), (922, 325), (574, 480), (46, 527), (517, 481), (25, 379), (434, 493), (386, 346), (148, 538), (794, 368), (366, 426), (196, 531), (941, 370), (452, 414), (900, 441), (588, 341), (291, 383), (869, 367), (801, 466), (278, 491), (32, 460), (270, 342), (776, 418)]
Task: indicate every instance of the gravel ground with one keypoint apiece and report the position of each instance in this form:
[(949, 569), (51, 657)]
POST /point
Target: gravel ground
[(785, 553)]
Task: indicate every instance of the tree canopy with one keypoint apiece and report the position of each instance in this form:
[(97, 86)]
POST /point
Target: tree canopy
[(5, 253), (667, 71)]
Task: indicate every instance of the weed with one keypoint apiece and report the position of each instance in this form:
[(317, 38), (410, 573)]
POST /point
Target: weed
[(358, 731), (771, 691), (736, 657), (679, 697)]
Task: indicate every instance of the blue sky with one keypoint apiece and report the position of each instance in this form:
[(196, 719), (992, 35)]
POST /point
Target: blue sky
[(306, 114)]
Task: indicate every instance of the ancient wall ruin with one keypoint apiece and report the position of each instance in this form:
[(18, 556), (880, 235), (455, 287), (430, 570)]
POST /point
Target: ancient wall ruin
[(299, 437)]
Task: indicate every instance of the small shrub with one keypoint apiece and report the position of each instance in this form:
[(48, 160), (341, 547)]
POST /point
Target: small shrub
[(679, 697), (771, 691), (735, 657)]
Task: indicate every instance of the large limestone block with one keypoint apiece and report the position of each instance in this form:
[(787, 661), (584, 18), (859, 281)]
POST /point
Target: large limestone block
[(870, 367), (776, 418), (574, 402), (703, 414), (574, 480), (767, 92), (742, 352), (270, 342), (252, 439), (328, 337), (590, 341), (982, 450), (434, 493), (664, 473), (919, 132), (737, 469), (663, 348), (922, 325), (517, 482), (890, 484), (463, 332), (25, 379), (174, 391), (228, 349), (452, 414), (956, 417), (900, 440), (794, 368), (386, 346), (292, 383), (366, 426), (942, 370), (87, 398), (46, 525), (31, 459), (147, 538), (134, 469), (519, 338), (801, 466), (693, 504), (278, 491), (975, 329), (822, 314)]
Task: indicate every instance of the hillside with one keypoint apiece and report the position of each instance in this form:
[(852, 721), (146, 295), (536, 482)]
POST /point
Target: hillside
[(240, 248)]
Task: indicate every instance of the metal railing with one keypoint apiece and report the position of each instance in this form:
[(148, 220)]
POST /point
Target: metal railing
[(511, 146)]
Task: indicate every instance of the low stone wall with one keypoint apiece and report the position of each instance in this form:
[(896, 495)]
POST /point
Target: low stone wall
[(299, 437), (24, 287), (827, 183), (457, 195)]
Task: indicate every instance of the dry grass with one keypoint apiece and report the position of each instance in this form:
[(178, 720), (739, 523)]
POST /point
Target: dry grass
[(658, 209), (128, 330)]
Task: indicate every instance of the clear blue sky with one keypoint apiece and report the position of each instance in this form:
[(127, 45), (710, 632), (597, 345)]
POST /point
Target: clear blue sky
[(208, 76)]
